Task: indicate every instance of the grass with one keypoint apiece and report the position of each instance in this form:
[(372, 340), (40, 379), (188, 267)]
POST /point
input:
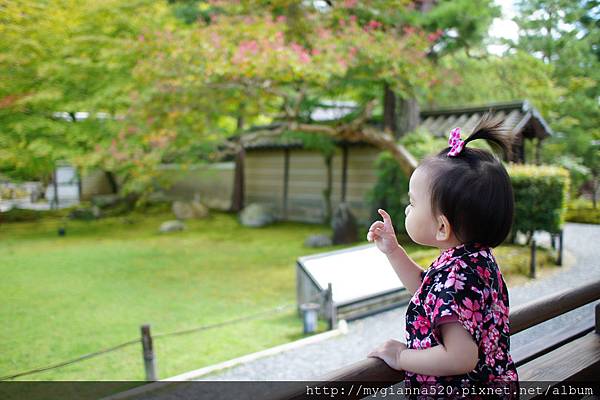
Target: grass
[(91, 289)]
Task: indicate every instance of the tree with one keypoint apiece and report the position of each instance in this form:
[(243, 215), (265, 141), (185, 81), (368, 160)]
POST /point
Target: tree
[(565, 35), (66, 80), (292, 54)]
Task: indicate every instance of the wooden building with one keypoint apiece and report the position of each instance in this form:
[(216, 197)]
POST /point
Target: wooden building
[(294, 180)]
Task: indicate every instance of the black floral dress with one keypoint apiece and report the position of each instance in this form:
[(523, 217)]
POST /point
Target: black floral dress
[(463, 284)]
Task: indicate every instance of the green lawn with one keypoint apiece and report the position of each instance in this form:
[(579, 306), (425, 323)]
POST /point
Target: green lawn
[(67, 296)]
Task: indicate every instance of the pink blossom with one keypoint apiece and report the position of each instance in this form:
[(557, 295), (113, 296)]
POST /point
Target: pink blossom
[(422, 324), (409, 30), (374, 24), (484, 273), (471, 310), (455, 280), (350, 3)]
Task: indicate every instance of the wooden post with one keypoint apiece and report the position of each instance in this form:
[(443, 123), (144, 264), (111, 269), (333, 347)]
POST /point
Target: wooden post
[(237, 200), (148, 353), (553, 241), (331, 307), (598, 318), (54, 203), (532, 264), (344, 171), (286, 179), (560, 248)]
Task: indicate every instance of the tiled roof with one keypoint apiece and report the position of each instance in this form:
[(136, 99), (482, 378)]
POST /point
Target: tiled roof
[(520, 117)]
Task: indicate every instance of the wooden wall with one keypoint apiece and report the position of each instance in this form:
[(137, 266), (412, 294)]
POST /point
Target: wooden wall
[(263, 178), (303, 199)]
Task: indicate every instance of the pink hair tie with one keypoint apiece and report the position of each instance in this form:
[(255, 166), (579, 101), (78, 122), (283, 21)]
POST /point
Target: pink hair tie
[(455, 142)]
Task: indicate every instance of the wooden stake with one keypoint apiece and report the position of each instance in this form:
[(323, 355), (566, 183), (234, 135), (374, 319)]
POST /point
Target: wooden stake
[(532, 264), (331, 307), (560, 248), (148, 353)]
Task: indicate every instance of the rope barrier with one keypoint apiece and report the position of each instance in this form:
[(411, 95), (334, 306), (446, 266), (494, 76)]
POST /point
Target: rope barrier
[(160, 335)]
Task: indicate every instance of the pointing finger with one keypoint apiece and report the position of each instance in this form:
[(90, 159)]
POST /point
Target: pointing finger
[(386, 217)]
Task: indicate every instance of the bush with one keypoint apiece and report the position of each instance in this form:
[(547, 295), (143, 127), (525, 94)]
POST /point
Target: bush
[(541, 194), (25, 215), (582, 211)]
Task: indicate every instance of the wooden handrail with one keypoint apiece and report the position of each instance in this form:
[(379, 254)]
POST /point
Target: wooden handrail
[(553, 305), (374, 370)]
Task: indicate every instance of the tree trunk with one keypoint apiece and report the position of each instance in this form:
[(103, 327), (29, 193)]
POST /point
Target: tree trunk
[(112, 181), (408, 112), (390, 123), (400, 116), (595, 190)]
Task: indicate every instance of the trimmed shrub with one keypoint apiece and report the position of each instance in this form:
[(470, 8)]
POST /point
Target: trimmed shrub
[(541, 194)]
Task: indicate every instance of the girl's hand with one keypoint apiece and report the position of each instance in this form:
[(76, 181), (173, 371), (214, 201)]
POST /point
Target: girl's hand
[(382, 232), (389, 352)]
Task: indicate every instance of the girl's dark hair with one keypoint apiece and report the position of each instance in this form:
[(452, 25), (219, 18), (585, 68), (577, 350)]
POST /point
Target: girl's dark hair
[(473, 189)]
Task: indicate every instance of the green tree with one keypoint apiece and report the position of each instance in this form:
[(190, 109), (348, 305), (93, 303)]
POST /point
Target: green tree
[(565, 34), (61, 61)]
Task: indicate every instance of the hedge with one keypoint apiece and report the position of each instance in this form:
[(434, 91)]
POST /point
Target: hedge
[(541, 195)]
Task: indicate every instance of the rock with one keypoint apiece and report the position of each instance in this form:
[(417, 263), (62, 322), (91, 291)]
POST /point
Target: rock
[(344, 226), (83, 213), (106, 200), (317, 241), (189, 209), (256, 215), (171, 226)]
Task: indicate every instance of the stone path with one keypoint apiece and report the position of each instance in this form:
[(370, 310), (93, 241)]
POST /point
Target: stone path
[(314, 360)]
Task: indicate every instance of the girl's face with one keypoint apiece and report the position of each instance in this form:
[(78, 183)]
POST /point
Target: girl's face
[(420, 223)]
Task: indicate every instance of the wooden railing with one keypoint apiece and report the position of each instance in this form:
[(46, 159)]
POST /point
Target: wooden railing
[(374, 370)]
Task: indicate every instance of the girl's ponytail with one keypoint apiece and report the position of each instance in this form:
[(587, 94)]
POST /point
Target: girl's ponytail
[(491, 129)]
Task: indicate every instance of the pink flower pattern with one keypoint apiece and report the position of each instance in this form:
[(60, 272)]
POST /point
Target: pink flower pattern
[(464, 281)]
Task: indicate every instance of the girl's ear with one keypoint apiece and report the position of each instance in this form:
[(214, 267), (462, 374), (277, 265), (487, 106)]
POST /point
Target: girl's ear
[(443, 231)]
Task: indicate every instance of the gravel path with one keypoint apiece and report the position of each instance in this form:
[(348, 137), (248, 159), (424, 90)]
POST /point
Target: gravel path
[(314, 360)]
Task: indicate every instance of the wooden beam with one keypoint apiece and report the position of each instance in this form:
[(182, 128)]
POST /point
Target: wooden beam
[(344, 171), (286, 179), (553, 305)]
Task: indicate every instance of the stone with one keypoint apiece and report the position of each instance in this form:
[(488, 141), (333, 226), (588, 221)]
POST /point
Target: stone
[(317, 241), (345, 229), (171, 226), (189, 210), (83, 213), (106, 200), (256, 215)]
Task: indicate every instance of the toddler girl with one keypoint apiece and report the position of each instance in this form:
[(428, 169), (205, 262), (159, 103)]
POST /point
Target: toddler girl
[(457, 328)]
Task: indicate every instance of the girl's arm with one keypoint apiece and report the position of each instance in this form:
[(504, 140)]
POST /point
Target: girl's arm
[(407, 270), (457, 355), (382, 233)]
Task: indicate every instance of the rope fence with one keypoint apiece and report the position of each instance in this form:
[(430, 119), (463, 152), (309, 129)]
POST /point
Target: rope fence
[(146, 341)]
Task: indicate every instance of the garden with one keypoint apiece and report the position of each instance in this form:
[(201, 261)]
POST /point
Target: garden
[(103, 97)]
